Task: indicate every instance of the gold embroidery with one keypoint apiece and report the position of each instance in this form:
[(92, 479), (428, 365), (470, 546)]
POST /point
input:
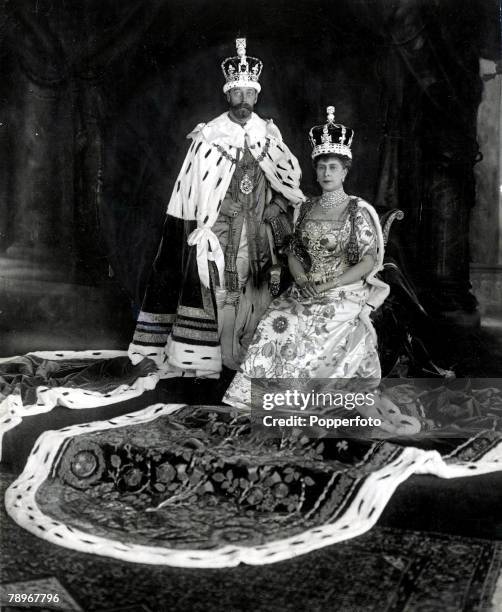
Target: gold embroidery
[(195, 313), (144, 337), (152, 317), (195, 334)]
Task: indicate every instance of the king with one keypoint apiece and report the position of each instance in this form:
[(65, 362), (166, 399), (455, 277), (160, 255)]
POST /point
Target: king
[(210, 283)]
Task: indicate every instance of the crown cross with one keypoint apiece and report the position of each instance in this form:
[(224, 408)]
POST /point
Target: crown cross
[(325, 137), (240, 46)]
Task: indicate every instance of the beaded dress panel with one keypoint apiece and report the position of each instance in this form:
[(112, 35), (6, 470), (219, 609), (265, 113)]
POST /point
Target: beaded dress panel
[(327, 242)]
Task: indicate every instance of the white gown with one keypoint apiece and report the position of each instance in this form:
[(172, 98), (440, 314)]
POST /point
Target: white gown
[(325, 336)]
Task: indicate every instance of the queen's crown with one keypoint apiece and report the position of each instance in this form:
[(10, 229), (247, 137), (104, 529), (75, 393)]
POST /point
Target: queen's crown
[(331, 137)]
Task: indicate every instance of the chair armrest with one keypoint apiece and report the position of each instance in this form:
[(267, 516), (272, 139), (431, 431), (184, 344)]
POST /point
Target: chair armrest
[(387, 219)]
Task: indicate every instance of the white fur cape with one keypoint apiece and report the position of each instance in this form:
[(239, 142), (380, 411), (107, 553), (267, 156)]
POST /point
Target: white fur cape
[(206, 172)]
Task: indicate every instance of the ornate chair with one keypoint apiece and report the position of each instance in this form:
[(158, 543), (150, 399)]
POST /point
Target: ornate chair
[(402, 320)]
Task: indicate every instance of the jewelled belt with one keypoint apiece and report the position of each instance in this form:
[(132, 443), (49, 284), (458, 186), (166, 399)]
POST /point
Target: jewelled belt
[(319, 277)]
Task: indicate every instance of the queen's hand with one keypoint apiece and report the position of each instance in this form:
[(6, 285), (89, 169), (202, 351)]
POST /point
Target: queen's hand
[(307, 288), (271, 211)]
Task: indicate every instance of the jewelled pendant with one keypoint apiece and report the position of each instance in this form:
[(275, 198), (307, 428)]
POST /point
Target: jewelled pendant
[(246, 185)]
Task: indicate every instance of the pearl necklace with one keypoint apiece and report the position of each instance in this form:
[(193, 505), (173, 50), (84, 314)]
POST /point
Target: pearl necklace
[(331, 199)]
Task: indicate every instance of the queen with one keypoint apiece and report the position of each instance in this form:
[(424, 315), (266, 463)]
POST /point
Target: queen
[(320, 328)]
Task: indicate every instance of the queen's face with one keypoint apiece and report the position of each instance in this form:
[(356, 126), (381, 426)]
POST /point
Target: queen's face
[(330, 173)]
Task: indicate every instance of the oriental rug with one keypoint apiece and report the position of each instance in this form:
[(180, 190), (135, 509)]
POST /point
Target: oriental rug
[(386, 569)]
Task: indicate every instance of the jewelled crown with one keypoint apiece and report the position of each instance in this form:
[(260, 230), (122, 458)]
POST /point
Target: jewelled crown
[(241, 71), (331, 137)]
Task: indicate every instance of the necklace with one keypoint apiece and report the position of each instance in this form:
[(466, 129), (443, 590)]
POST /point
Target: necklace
[(332, 199)]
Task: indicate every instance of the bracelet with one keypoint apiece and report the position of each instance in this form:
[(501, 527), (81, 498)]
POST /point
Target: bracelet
[(332, 284), (301, 278)]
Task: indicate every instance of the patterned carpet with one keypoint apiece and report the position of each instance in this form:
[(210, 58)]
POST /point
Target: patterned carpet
[(384, 570)]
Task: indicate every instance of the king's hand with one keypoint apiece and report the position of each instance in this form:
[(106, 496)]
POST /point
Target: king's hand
[(271, 211)]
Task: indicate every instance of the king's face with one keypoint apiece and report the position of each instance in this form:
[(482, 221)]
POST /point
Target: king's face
[(242, 101)]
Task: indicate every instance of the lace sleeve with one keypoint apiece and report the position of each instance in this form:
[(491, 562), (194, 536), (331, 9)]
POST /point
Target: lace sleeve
[(366, 234)]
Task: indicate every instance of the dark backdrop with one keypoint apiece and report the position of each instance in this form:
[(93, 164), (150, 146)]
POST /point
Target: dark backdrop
[(97, 98)]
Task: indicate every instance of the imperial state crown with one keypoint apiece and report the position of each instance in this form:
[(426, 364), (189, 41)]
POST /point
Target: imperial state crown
[(241, 70), (331, 137)]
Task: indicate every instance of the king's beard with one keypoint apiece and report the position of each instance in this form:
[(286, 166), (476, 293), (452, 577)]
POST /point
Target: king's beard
[(242, 110)]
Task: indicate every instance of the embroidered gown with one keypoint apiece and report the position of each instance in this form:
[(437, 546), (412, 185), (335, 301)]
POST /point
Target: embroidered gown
[(320, 337)]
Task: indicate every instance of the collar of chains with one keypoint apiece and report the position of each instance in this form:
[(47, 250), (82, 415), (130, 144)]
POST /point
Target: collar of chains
[(235, 160)]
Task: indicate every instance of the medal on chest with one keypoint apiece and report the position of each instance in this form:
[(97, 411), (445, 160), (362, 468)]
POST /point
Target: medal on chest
[(246, 185)]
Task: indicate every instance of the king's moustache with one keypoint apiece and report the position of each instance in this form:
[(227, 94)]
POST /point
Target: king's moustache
[(242, 106)]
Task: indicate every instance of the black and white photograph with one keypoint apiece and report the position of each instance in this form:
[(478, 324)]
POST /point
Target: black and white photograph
[(251, 305)]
